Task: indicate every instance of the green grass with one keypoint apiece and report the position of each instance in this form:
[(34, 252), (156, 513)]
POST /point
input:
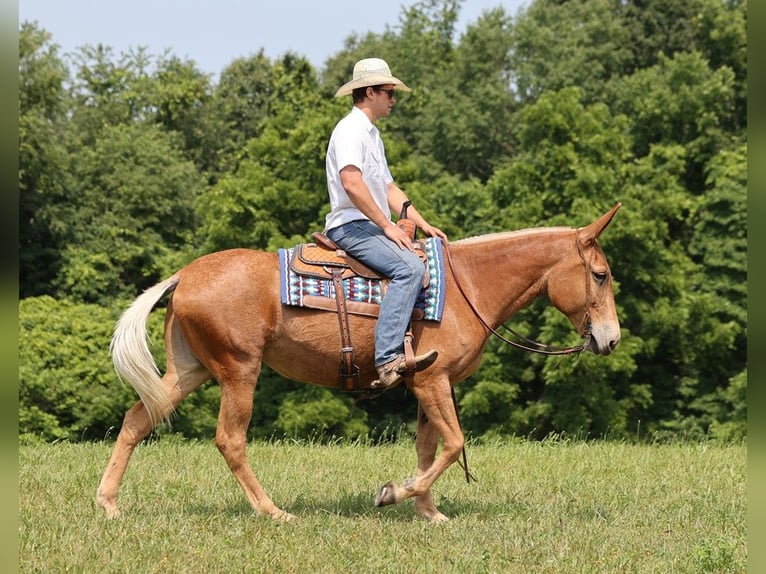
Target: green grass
[(538, 507)]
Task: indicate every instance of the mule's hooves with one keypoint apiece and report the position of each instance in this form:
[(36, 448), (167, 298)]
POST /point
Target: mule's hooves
[(283, 516), (110, 509), (386, 495)]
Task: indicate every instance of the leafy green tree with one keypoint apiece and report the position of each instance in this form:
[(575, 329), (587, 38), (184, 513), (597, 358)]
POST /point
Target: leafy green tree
[(569, 161), (181, 99), (197, 415), (719, 240), (138, 88), (679, 101), (242, 100), (558, 44), (439, 119), (660, 28), (109, 91), (489, 408), (723, 29), (728, 410), (648, 257), (426, 28), (446, 123), (132, 207), (719, 247), (67, 385), (278, 194), (689, 347), (43, 158), (417, 49), (460, 208)]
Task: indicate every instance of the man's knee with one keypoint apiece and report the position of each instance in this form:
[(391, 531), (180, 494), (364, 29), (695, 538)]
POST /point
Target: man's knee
[(410, 268), (418, 271)]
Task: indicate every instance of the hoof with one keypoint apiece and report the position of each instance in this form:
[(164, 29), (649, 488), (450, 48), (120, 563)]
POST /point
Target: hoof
[(110, 508), (386, 495), (438, 518), (283, 516)]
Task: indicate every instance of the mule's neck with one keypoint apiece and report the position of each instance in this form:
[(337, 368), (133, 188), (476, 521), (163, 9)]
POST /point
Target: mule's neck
[(503, 273)]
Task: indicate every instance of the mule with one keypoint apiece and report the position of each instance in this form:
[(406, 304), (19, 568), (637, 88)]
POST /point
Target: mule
[(225, 320)]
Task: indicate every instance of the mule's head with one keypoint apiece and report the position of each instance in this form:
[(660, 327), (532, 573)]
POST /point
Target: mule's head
[(581, 288)]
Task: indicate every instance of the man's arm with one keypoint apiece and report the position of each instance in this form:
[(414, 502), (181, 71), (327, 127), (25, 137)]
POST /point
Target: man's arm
[(359, 194)]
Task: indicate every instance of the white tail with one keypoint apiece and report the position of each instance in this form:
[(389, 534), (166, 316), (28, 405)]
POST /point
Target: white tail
[(132, 358)]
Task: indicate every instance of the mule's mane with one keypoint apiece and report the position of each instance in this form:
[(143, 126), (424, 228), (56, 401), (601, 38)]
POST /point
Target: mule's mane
[(520, 234)]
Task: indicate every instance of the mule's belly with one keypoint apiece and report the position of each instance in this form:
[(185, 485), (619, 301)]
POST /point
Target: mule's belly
[(307, 346)]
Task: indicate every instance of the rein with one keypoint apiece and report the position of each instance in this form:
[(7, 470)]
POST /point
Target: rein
[(531, 345)]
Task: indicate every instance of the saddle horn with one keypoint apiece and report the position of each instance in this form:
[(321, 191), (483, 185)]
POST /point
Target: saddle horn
[(405, 223)]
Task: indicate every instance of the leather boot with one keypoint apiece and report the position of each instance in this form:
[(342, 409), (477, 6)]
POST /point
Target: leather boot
[(391, 374)]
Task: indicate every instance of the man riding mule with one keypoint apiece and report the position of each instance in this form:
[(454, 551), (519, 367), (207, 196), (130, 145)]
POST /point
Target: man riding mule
[(362, 195), (225, 320)]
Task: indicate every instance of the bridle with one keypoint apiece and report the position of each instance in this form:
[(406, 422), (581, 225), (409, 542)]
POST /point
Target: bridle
[(531, 345)]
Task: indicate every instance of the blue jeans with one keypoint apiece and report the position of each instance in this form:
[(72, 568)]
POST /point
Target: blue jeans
[(366, 242)]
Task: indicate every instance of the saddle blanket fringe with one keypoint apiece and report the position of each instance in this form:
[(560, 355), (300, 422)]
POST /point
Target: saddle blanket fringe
[(294, 287)]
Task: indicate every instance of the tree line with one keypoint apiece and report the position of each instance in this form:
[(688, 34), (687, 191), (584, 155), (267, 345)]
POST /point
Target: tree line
[(133, 164)]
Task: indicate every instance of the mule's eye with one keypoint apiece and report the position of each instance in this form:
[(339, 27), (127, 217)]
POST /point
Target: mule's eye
[(599, 277)]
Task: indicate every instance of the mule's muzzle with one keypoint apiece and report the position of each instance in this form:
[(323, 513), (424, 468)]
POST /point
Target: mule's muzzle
[(601, 345)]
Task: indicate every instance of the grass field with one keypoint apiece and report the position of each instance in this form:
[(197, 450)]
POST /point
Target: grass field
[(538, 507)]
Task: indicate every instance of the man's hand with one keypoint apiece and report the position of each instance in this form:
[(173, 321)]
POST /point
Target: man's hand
[(432, 231), (399, 236)]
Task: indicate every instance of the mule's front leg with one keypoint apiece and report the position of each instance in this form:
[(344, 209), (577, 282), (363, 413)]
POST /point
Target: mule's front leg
[(425, 444), (436, 416)]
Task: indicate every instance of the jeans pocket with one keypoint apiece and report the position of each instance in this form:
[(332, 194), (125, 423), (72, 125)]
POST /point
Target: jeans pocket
[(337, 234)]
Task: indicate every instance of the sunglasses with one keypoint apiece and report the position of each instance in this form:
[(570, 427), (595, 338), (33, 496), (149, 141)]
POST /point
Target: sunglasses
[(390, 92)]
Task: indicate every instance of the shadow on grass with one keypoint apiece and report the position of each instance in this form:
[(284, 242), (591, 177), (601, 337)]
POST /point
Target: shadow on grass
[(360, 505)]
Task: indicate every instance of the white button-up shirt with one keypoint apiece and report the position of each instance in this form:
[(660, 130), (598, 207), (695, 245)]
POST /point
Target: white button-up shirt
[(356, 141)]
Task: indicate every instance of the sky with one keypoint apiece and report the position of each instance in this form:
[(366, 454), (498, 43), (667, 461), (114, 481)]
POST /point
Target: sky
[(213, 33)]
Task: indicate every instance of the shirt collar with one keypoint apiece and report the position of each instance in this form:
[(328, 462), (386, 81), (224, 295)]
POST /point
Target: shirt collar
[(371, 127)]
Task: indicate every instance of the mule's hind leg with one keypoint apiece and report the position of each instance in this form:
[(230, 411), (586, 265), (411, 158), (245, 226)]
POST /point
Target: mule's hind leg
[(231, 439), (135, 427), (184, 374)]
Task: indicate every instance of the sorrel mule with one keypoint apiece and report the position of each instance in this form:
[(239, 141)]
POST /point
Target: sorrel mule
[(225, 320)]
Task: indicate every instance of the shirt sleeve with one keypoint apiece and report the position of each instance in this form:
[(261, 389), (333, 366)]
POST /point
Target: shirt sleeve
[(349, 147)]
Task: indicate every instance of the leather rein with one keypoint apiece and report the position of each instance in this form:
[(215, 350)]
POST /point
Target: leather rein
[(531, 345)]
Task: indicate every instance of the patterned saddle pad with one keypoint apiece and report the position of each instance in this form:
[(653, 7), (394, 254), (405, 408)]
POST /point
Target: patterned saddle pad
[(362, 294)]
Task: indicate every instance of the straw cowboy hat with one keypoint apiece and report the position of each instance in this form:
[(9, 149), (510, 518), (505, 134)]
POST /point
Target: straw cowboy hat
[(371, 72)]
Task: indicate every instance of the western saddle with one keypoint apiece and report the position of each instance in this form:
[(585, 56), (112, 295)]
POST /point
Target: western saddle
[(323, 259)]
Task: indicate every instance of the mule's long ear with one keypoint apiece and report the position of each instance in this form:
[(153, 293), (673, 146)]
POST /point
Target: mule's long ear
[(592, 231)]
